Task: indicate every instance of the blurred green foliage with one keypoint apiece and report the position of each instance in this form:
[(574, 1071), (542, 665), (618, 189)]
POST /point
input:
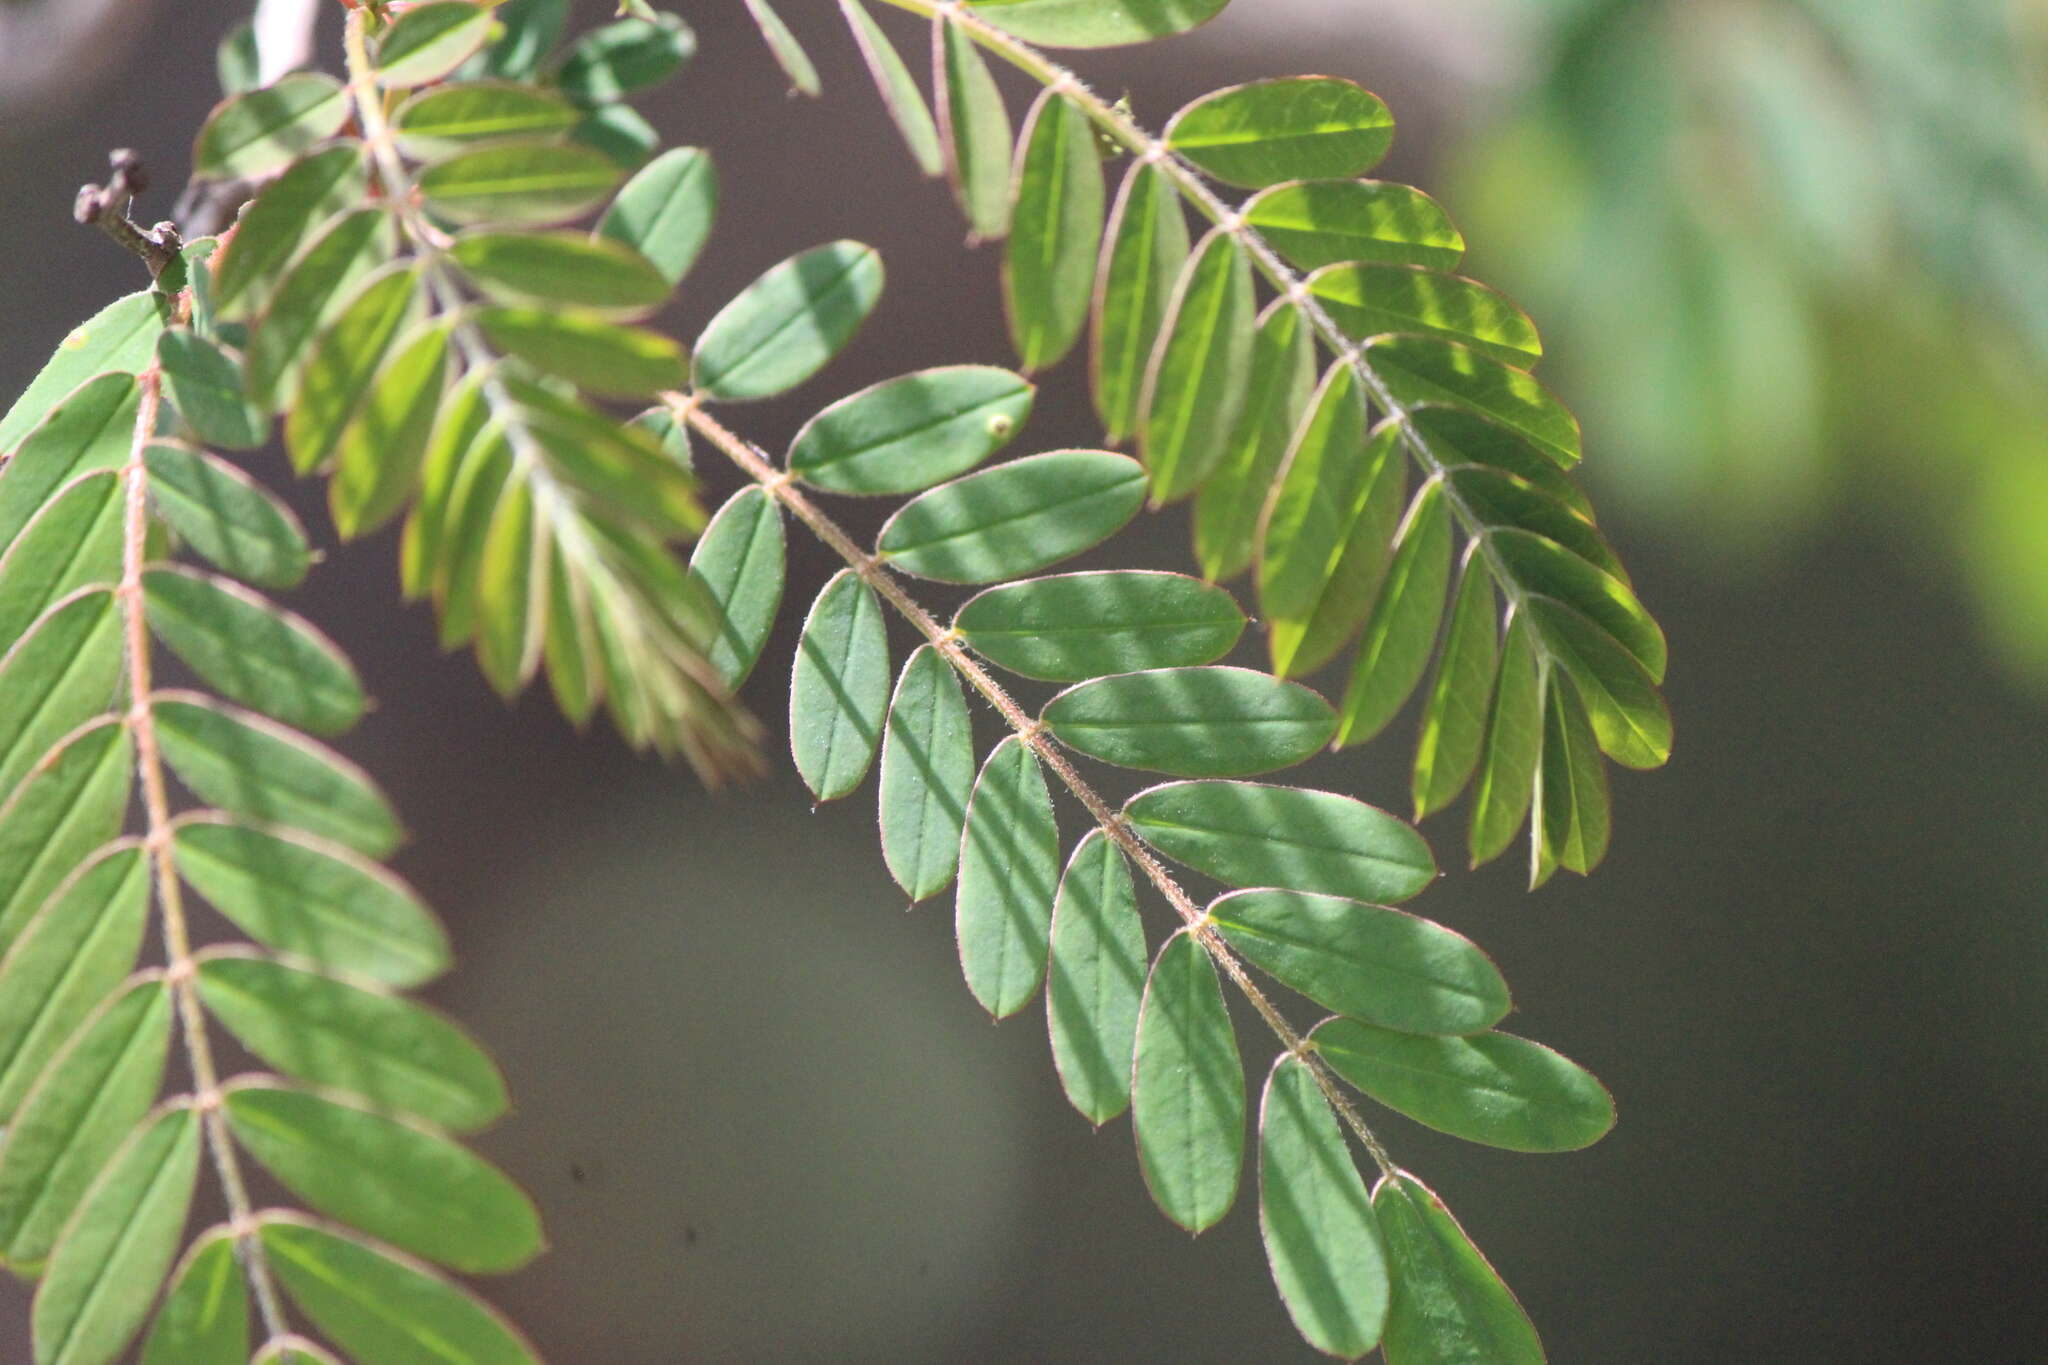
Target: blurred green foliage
[(1795, 253)]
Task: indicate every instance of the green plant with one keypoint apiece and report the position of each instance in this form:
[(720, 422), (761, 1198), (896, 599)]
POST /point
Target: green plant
[(398, 288)]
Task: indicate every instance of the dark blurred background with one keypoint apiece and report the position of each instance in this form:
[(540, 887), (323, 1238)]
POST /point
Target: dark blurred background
[(1792, 260)]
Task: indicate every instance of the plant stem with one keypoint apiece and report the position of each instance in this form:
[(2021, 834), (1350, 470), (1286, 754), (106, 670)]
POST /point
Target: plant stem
[(180, 971), (757, 466)]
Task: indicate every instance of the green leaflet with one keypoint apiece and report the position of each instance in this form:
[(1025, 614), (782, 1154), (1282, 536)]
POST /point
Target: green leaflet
[(1497, 498), (1230, 506), (266, 130), (292, 1350), (1449, 1305), (428, 41), (321, 283), (249, 766), (92, 429), (511, 573), (342, 372), (56, 678), (1314, 223), (1253, 835), (318, 901), (71, 803), (906, 434), (441, 121), (532, 28), (252, 651), (120, 337), (227, 517), (788, 52), (1543, 566), (601, 358), (459, 427), (621, 132), (1322, 1240), (1055, 232), (106, 1272), (485, 472), (1458, 436), (1094, 23), (927, 775), (1514, 741), (206, 386), (1368, 300), (377, 457), (1572, 815), (1187, 1092), (1323, 550), (1072, 627), (69, 958), (205, 1316), (839, 694), (1493, 1088), (378, 1307), (1402, 630), (1629, 716), (666, 210), (1454, 715), (623, 58), (784, 327), (86, 1105), (1192, 722), (521, 183), (406, 1186), (289, 211), (1016, 518), (900, 95), (74, 541), (1009, 872), (1394, 969), (741, 561), (975, 124), (1145, 252), (1195, 385), (1096, 979), (560, 268), (1293, 128), (570, 645), (1419, 369)]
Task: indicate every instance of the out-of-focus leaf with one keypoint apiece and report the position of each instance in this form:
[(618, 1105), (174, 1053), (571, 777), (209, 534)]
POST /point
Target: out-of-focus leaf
[(560, 268), (342, 373), (531, 29), (1187, 1101), (428, 41), (1402, 629), (1230, 506), (1514, 742), (1454, 716), (1093, 23), (785, 326), (226, 516), (378, 1306), (599, 357), (406, 1186), (256, 768), (624, 58), (1573, 820), (252, 651), (321, 283), (900, 95), (1016, 518), (106, 1271), (320, 902), (267, 129), (377, 460), (976, 130), (519, 183), (444, 120), (1253, 835), (283, 218), (205, 1315)]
